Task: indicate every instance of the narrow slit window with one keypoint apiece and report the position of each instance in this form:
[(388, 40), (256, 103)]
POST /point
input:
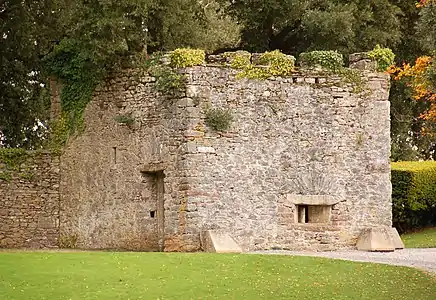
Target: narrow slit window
[(115, 154)]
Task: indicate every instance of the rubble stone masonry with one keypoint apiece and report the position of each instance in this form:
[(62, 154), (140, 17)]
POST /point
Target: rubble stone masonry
[(29, 203), (304, 165)]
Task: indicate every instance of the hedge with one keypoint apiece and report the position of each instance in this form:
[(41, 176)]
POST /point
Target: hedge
[(413, 194)]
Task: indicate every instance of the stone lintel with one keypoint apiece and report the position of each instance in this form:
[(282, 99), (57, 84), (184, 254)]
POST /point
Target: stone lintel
[(311, 199), (153, 167)]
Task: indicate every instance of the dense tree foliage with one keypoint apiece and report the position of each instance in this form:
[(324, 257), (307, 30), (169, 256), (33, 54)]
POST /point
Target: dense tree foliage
[(24, 33), (294, 26), (426, 27), (79, 42)]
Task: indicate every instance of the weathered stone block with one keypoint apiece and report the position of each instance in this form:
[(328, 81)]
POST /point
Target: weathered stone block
[(219, 242), (376, 239), (398, 243)]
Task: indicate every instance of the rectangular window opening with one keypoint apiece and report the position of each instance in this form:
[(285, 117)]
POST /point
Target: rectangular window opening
[(313, 213)]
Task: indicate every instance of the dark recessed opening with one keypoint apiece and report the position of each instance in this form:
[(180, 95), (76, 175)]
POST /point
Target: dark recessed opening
[(152, 213), (115, 154), (294, 79), (316, 80), (303, 216)]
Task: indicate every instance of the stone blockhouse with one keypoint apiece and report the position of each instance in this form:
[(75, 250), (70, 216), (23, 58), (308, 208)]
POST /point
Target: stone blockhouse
[(304, 164)]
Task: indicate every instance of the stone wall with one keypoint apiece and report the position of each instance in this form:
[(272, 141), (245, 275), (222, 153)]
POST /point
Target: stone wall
[(311, 145), (305, 165), (29, 203), (112, 171), (304, 140)]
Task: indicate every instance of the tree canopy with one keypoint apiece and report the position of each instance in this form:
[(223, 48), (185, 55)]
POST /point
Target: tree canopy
[(294, 26), (80, 42)]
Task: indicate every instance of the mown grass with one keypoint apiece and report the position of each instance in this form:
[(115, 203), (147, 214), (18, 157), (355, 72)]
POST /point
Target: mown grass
[(106, 275), (425, 238)]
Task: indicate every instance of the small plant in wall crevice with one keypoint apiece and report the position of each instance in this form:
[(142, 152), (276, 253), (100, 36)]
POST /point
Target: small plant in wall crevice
[(125, 119), (219, 119)]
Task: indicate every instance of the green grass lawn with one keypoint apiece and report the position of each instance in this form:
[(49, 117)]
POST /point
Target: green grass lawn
[(106, 275), (425, 238)]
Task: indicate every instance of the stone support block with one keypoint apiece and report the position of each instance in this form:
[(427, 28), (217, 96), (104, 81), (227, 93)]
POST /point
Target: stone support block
[(219, 242), (376, 239)]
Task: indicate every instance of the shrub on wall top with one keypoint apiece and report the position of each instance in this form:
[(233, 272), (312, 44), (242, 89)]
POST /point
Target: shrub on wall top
[(383, 56), (185, 57), (279, 64), (239, 59), (331, 60), (413, 194)]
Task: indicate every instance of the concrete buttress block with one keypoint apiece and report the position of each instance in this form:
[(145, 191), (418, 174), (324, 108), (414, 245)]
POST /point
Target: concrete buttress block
[(219, 242), (398, 243), (376, 239)]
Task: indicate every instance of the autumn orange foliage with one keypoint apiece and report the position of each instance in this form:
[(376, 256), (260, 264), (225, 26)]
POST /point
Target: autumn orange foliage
[(419, 81), (422, 3)]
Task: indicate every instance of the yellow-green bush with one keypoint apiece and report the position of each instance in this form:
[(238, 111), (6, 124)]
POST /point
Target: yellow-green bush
[(279, 64), (413, 194), (253, 72), (186, 57), (383, 56), (239, 59), (268, 64)]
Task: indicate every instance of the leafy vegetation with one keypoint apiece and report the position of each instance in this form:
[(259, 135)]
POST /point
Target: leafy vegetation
[(125, 119), (105, 275), (268, 64), (298, 26), (331, 60), (424, 238), (80, 42), (218, 119), (383, 56), (239, 59), (11, 160), (167, 79), (413, 194), (185, 57)]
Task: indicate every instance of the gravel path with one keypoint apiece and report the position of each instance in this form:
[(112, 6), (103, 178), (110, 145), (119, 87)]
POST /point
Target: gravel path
[(424, 259)]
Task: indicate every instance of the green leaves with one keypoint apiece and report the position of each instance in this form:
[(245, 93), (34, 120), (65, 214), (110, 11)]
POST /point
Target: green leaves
[(185, 57), (426, 26), (294, 26), (331, 60), (383, 56), (413, 194)]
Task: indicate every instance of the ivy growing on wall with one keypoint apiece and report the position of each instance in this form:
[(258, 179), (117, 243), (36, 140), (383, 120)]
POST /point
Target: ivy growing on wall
[(10, 161), (79, 71), (168, 80)]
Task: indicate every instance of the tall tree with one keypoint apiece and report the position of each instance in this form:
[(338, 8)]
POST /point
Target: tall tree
[(80, 41), (426, 27), (25, 35), (294, 26)]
